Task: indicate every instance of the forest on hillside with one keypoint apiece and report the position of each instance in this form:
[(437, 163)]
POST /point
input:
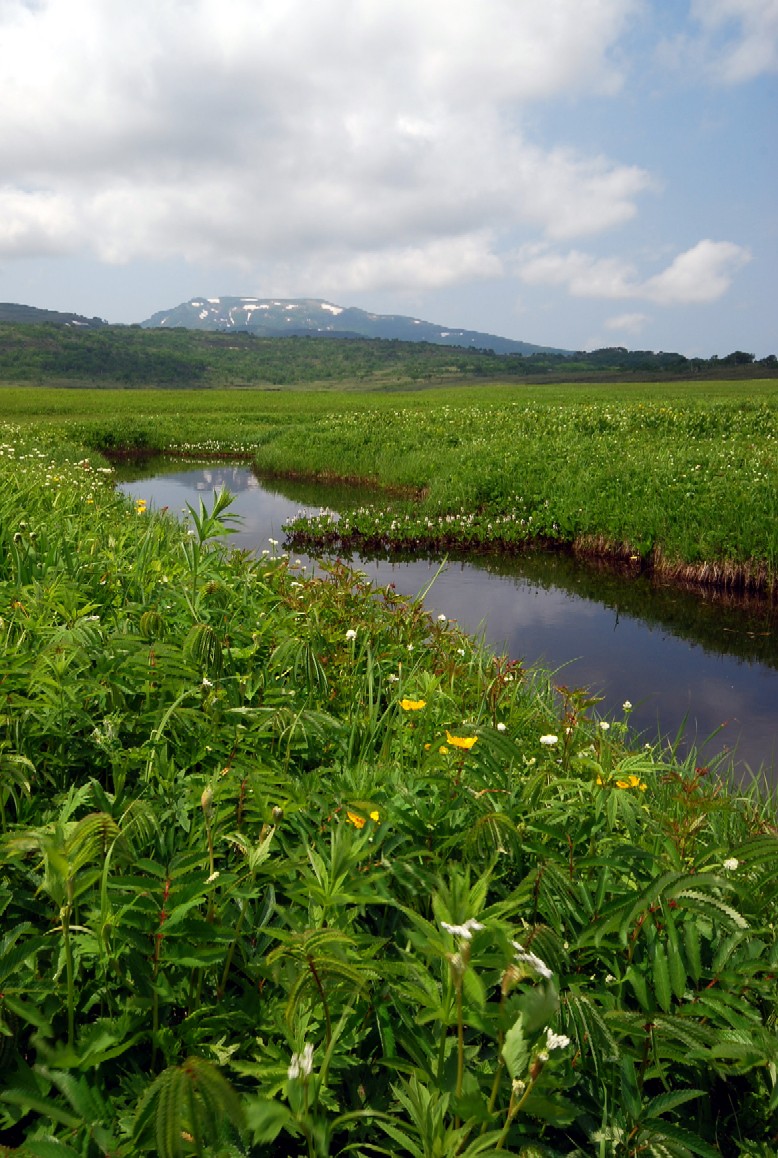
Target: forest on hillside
[(128, 356)]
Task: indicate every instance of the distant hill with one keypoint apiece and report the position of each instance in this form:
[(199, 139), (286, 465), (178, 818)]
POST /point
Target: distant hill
[(31, 315), (278, 317)]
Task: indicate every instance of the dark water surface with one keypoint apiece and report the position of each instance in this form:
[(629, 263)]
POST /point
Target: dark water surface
[(683, 660)]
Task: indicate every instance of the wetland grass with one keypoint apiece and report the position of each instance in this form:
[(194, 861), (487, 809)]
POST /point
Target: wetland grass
[(291, 868)]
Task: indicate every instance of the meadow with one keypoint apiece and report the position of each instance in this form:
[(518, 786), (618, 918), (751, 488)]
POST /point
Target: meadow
[(679, 479), (288, 867)]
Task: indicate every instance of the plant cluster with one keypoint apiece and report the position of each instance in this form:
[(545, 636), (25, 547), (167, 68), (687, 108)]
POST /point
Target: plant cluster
[(663, 484), (288, 867)]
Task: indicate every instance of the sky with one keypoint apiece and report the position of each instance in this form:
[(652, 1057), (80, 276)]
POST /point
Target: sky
[(573, 173)]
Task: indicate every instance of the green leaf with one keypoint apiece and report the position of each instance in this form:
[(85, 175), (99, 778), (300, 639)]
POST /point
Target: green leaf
[(266, 1118), (516, 1050), (673, 1133), (691, 940), (662, 988), (630, 1092), (664, 1102), (675, 960)]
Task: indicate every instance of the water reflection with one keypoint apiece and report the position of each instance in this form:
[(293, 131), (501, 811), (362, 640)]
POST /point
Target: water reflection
[(703, 664)]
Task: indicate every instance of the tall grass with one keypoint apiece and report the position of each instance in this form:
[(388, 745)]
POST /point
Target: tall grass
[(681, 478), (288, 867)]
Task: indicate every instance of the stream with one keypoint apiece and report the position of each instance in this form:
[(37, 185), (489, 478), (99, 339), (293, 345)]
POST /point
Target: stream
[(701, 664)]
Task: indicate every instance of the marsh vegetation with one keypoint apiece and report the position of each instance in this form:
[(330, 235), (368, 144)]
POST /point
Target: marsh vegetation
[(289, 868)]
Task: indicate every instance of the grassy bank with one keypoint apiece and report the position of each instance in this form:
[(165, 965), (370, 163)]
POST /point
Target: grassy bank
[(287, 868)]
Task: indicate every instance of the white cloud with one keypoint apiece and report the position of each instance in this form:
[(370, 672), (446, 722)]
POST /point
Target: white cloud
[(627, 323), (33, 223), (735, 40), (386, 138), (582, 274), (701, 274)]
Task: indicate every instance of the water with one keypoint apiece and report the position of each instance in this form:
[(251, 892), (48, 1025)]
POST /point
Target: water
[(704, 664)]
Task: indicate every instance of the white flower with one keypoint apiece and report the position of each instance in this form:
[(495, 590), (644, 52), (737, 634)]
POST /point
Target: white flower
[(501, 726), (351, 633), (464, 932), (604, 725), (441, 619), (212, 877), (555, 1040), (549, 741), (206, 683), (626, 706), (273, 542), (730, 864), (526, 958), (302, 1063)]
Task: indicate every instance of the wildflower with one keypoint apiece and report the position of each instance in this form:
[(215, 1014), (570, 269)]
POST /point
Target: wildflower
[(524, 957), (555, 1040), (730, 864), (206, 684), (501, 726), (359, 821), (626, 706), (549, 740), (465, 742), (464, 932), (604, 725), (444, 751), (302, 1063), (351, 633), (209, 880), (441, 619), (631, 782), (412, 705)]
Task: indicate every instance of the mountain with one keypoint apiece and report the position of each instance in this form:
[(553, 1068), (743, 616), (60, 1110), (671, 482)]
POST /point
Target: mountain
[(31, 315), (274, 317)]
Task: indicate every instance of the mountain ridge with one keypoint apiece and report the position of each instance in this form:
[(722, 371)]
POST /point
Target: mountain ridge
[(18, 314), (276, 317)]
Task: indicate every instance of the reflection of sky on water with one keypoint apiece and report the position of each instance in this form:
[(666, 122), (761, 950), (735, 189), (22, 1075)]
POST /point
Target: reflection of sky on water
[(586, 643)]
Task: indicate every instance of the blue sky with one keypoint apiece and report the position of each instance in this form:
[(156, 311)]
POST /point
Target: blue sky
[(575, 173)]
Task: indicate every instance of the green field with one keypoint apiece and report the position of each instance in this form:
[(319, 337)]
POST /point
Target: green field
[(288, 868), (679, 478)]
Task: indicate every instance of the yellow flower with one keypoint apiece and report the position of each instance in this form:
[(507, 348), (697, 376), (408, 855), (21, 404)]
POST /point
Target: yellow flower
[(359, 821), (412, 705), (444, 751), (460, 741), (631, 782)]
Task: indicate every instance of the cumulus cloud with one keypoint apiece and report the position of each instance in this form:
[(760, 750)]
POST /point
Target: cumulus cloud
[(384, 138), (700, 274)]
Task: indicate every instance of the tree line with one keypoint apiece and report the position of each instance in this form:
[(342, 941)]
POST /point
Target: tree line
[(129, 356)]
